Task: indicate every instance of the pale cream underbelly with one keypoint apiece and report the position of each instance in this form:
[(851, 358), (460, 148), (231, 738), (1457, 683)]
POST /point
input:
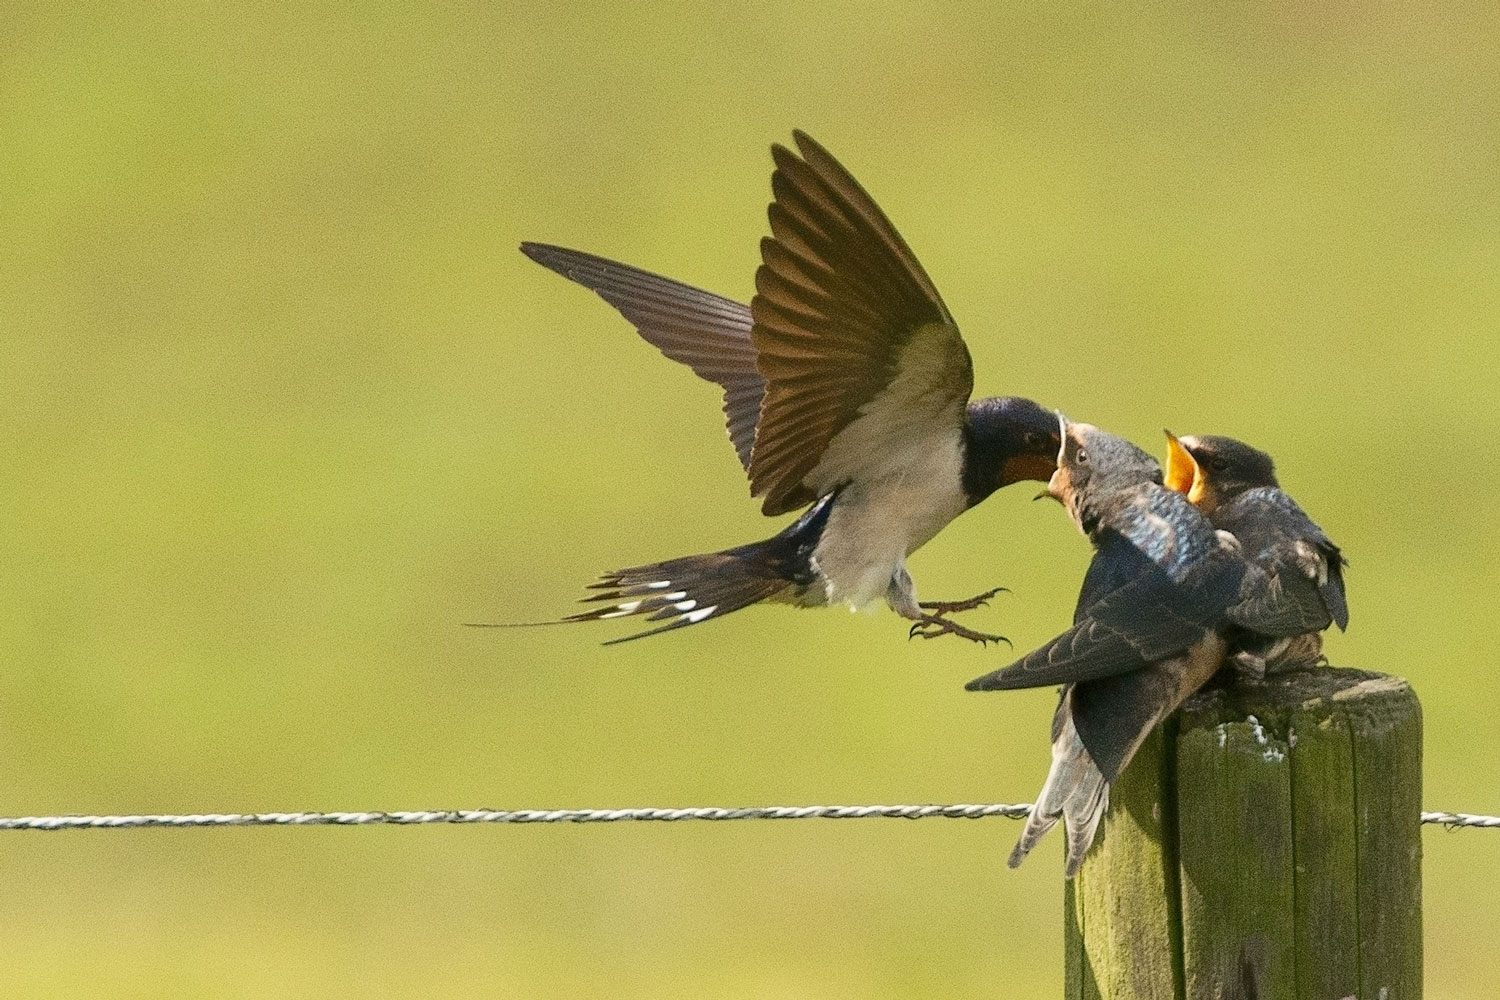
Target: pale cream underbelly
[(869, 535)]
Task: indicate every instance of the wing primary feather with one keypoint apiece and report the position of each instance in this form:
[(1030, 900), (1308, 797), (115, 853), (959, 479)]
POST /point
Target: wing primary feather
[(839, 299), (708, 333)]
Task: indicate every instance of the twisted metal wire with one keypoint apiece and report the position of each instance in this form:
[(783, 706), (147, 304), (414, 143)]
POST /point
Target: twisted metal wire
[(1455, 820), (415, 818)]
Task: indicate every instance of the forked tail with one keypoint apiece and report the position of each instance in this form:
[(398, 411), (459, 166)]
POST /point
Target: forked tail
[(693, 589), (685, 591)]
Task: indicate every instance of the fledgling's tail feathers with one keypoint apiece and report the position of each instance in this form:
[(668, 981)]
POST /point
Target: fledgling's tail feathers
[(1075, 790)]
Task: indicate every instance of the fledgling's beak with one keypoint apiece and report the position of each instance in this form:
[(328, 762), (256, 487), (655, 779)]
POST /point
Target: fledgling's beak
[(1182, 474), (1057, 485)]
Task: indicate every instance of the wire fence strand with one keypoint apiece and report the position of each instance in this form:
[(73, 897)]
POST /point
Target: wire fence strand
[(462, 816)]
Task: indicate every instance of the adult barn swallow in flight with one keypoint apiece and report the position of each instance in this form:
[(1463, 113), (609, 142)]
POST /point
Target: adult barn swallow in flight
[(846, 388), (1150, 627), (1235, 487)]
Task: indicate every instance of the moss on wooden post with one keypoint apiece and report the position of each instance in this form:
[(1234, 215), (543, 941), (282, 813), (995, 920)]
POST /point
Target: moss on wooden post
[(1124, 938), (1267, 845)]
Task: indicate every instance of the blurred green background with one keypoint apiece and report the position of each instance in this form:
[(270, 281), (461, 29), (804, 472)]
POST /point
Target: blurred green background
[(283, 405)]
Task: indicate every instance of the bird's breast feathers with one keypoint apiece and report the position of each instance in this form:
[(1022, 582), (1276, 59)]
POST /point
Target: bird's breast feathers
[(876, 523)]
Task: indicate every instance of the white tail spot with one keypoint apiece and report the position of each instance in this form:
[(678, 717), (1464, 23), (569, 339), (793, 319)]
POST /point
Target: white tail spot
[(660, 584), (694, 617), (684, 605), (621, 610), (676, 595)]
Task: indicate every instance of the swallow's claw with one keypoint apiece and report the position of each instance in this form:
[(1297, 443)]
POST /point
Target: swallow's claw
[(932, 626), (1249, 667), (940, 608)]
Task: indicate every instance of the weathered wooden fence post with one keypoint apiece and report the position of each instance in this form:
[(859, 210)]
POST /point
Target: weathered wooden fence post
[(1266, 845)]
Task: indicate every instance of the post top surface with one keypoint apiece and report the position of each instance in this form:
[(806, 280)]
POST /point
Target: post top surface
[(1318, 693)]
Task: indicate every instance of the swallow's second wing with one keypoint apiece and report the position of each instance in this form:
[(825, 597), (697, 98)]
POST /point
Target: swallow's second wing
[(1332, 587), (1147, 619), (864, 367), (708, 333), (1277, 600), (1298, 585), (1115, 564)]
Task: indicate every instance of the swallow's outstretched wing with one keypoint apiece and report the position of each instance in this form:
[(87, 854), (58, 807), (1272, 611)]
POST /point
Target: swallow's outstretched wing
[(865, 370), (708, 333), (1147, 618)]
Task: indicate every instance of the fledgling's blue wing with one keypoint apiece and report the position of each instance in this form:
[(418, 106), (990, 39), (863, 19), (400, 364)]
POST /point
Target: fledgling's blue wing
[(1148, 618), (1298, 585), (1116, 562)]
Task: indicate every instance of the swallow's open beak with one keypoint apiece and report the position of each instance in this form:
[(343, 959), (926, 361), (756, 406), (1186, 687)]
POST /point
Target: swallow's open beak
[(1183, 474), (1058, 484), (1057, 487)]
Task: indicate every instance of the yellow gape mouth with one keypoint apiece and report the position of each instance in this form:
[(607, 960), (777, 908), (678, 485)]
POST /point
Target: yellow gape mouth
[(1183, 473)]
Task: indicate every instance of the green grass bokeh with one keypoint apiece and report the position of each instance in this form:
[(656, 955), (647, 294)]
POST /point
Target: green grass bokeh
[(283, 406)]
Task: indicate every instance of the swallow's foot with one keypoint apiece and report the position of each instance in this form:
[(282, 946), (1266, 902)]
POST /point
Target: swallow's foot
[(1249, 667), (932, 626), (940, 608), (1303, 652)]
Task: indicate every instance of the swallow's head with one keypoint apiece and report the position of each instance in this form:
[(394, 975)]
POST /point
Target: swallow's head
[(1211, 470), (1093, 466), (1010, 439)]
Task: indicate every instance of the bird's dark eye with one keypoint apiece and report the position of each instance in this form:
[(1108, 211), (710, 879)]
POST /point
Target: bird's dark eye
[(1217, 464), (1081, 457)]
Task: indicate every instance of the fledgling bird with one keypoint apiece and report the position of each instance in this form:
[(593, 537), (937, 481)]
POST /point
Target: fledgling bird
[(1150, 627), (846, 390), (1235, 486)]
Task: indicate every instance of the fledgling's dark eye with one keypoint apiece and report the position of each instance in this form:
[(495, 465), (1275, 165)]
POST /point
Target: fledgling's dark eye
[(1217, 464), (1081, 457)]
